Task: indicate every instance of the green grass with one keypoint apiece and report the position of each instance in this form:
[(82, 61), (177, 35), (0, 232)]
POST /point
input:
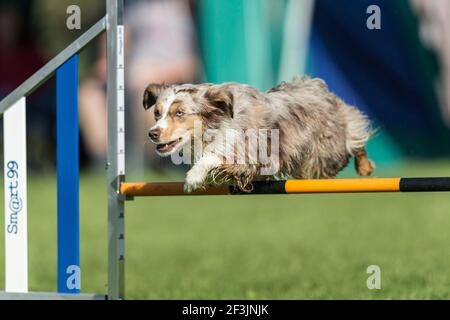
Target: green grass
[(256, 247)]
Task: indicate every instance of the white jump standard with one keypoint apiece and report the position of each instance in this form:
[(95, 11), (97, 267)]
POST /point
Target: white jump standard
[(65, 66)]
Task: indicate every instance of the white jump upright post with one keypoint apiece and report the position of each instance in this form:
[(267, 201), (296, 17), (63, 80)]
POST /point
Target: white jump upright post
[(15, 179), (116, 149), (12, 108)]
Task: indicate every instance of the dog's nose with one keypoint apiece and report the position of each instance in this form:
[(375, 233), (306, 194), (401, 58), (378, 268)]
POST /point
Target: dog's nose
[(154, 133)]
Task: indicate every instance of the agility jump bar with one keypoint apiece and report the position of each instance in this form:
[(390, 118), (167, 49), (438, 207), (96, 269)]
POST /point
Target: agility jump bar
[(142, 189)]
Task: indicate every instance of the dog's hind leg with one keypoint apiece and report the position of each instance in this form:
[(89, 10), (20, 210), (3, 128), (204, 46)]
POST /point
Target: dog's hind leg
[(363, 165), (358, 133)]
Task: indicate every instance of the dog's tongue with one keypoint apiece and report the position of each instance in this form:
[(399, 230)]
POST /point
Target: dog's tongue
[(166, 146), (162, 147)]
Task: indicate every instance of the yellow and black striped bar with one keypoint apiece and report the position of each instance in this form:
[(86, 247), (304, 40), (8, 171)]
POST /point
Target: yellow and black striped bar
[(143, 189)]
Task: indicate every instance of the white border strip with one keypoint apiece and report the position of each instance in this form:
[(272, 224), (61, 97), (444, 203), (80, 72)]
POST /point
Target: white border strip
[(15, 179)]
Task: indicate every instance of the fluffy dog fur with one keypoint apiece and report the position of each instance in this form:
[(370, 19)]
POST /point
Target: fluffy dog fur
[(318, 132)]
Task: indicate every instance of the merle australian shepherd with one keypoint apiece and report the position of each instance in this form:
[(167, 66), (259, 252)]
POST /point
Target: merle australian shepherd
[(316, 132)]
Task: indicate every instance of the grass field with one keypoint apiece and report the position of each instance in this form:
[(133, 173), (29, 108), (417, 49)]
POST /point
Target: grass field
[(256, 247)]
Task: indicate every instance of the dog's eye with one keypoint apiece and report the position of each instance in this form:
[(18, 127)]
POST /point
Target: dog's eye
[(157, 114), (179, 114)]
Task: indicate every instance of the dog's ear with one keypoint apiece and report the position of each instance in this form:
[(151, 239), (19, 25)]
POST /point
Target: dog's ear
[(221, 99), (151, 94)]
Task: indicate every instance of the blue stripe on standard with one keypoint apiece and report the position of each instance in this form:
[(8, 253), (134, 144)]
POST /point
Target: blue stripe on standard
[(68, 175)]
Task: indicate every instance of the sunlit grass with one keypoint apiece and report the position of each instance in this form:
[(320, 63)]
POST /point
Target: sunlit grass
[(271, 247)]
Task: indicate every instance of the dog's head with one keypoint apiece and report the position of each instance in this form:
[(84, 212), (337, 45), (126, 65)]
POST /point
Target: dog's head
[(178, 110)]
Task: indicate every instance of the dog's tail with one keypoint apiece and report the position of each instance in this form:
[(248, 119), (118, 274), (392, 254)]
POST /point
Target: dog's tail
[(358, 133)]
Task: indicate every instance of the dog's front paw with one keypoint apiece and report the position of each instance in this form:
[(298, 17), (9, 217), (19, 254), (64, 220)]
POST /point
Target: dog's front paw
[(193, 182)]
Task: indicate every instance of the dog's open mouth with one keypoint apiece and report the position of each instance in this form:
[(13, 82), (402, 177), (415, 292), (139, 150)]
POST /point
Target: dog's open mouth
[(167, 147)]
